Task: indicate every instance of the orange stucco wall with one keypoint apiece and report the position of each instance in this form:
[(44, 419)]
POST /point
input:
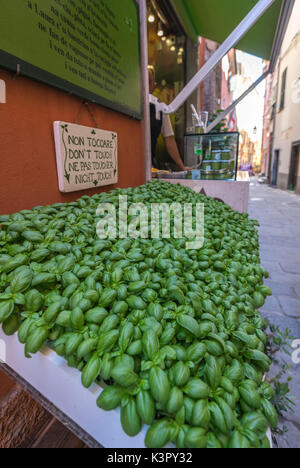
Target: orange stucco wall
[(28, 173)]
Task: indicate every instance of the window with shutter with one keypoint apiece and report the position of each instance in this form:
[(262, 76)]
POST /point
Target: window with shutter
[(283, 87)]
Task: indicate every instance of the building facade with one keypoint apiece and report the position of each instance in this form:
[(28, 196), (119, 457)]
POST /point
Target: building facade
[(284, 164), (268, 126), (229, 72), (210, 89), (249, 150)]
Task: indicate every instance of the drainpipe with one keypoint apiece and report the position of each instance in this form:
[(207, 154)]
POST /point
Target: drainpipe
[(274, 125), (145, 90), (202, 62)]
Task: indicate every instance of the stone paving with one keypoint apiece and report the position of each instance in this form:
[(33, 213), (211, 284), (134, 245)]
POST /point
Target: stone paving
[(279, 215)]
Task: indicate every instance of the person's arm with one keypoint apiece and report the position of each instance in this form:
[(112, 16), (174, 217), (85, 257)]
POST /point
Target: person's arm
[(170, 142), (172, 148)]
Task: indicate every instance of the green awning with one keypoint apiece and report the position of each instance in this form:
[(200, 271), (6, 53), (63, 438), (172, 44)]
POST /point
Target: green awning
[(216, 19)]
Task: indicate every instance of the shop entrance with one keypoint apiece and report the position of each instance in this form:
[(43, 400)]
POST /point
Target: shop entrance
[(167, 50), (295, 166)]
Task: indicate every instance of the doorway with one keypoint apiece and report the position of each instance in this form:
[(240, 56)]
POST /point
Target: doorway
[(295, 164), (275, 168), (167, 54)]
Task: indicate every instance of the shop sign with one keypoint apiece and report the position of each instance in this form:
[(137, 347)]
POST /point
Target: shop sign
[(86, 157), (90, 48)]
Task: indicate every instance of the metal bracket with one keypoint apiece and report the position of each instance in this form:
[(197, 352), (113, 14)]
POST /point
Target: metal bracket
[(159, 106), (253, 16), (235, 103), (145, 89), (18, 71)]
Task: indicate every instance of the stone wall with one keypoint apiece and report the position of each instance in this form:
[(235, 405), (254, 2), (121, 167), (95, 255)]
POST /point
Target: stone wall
[(283, 181)]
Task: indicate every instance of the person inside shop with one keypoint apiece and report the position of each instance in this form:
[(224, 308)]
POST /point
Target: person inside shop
[(162, 126)]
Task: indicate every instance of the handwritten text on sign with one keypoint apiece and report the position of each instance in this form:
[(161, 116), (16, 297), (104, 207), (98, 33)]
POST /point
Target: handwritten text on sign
[(86, 157)]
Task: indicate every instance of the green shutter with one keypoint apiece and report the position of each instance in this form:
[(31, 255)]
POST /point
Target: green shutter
[(283, 88)]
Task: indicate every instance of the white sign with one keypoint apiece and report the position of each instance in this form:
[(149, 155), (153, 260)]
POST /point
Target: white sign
[(86, 157), (2, 351)]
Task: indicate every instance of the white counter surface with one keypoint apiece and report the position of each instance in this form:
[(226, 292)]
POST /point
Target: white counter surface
[(61, 385)]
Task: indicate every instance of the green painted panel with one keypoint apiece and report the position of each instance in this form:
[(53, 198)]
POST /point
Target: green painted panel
[(216, 19), (87, 47)]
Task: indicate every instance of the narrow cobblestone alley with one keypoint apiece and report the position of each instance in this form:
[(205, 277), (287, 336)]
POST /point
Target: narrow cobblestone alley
[(279, 215)]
